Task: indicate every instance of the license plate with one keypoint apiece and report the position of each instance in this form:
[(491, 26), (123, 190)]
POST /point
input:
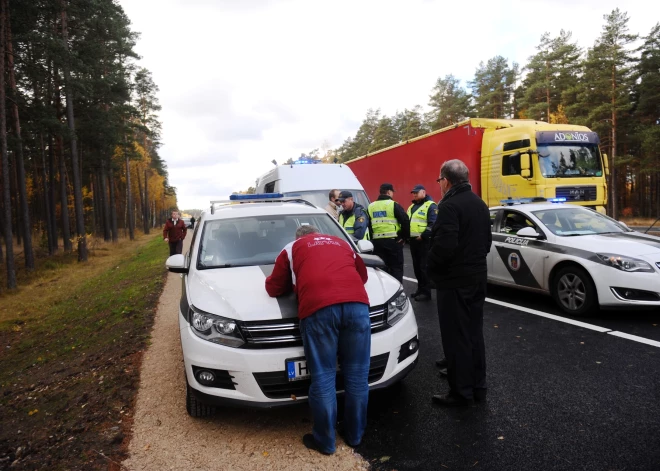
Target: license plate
[(297, 369)]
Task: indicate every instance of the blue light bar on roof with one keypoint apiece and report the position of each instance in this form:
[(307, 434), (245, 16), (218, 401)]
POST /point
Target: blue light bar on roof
[(511, 201), (556, 200), (259, 196)]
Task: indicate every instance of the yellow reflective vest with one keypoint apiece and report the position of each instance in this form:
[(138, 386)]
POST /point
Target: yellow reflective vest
[(418, 219), (383, 223), (348, 225)]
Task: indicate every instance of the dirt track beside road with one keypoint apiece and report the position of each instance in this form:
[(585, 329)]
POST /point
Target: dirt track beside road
[(165, 437)]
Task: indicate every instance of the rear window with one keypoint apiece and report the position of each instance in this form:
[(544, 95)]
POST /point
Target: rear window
[(255, 240)]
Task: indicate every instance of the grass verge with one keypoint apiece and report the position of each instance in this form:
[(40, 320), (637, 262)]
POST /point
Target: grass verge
[(69, 375)]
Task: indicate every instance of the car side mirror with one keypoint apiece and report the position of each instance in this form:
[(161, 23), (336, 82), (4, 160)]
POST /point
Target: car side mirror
[(624, 225), (528, 232), (176, 264), (365, 246)]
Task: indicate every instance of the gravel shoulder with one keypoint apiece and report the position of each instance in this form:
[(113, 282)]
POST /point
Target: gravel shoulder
[(164, 436)]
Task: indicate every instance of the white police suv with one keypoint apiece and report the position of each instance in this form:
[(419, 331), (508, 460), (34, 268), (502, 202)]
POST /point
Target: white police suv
[(242, 347), (582, 258)]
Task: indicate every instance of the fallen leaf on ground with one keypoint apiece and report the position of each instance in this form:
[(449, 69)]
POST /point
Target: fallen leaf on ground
[(384, 459), (265, 453), (500, 438), (146, 447), (32, 412)]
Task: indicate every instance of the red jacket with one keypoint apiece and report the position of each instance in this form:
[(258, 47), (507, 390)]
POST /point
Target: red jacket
[(175, 233), (322, 270)]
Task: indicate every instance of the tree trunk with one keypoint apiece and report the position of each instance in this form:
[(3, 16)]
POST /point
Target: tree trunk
[(77, 188), (107, 236), (113, 206), (47, 202), (141, 193), (51, 196), (18, 155), (17, 215), (66, 232), (146, 202), (11, 275), (129, 201)]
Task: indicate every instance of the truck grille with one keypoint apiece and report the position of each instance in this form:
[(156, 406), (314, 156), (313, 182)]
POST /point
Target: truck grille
[(577, 193), (276, 384), (278, 333)]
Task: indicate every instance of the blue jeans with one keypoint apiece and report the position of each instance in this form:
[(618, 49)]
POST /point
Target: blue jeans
[(344, 330)]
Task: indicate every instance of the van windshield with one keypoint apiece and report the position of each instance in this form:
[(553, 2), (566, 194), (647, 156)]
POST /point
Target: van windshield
[(255, 240), (567, 161), (319, 198)]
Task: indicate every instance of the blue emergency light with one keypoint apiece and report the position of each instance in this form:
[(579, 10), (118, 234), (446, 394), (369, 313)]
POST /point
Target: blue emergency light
[(536, 199), (259, 196), (556, 200)]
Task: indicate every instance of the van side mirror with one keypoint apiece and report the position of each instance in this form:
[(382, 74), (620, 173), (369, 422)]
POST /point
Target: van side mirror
[(176, 264), (606, 164)]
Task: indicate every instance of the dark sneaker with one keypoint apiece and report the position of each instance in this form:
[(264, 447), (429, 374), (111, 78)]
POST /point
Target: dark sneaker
[(450, 400), (442, 363), (423, 297), (310, 442)]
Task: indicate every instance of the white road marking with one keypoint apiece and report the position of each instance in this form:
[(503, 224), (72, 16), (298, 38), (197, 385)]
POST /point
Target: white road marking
[(550, 316), (584, 325), (635, 338)]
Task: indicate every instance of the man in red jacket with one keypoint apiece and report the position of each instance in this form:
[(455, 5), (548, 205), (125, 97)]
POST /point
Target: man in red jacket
[(333, 322), (174, 232)]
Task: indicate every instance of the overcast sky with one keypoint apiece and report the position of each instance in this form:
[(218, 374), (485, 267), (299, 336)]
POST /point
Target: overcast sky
[(243, 82)]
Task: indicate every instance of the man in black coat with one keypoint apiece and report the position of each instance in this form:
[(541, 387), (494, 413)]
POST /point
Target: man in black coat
[(460, 241)]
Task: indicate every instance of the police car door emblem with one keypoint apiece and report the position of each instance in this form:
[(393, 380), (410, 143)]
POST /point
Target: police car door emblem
[(514, 261)]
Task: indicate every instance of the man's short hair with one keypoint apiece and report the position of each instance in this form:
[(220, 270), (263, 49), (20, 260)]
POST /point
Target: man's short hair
[(455, 171), (331, 194), (305, 230)]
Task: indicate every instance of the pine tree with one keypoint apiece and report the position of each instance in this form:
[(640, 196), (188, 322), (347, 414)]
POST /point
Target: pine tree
[(493, 88), (449, 103)]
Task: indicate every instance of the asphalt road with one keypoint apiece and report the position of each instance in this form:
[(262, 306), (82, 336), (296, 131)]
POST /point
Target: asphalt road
[(561, 397)]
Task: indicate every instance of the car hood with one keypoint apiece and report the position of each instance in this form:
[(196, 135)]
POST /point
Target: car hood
[(239, 292), (632, 244)]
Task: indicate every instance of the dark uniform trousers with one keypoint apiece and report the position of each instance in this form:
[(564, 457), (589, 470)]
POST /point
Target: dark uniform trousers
[(461, 313), (419, 250), (392, 255)]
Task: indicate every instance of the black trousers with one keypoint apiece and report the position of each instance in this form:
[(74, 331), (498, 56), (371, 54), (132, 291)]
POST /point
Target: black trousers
[(392, 255), (461, 313), (176, 247), (419, 250)]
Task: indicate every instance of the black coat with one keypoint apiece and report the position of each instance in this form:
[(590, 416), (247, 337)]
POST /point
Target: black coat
[(460, 239)]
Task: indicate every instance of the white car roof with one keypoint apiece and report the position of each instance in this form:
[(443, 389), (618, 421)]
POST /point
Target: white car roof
[(229, 211), (530, 207)]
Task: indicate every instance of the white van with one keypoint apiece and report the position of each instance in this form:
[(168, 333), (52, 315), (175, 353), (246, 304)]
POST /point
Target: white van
[(312, 182)]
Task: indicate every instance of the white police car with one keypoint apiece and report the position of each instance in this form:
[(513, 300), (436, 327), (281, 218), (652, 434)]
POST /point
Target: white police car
[(582, 258), (242, 347)]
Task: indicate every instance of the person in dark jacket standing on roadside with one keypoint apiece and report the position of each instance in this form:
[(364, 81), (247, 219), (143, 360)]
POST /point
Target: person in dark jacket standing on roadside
[(390, 228), (334, 323), (422, 213), (460, 241), (174, 232), (353, 218), (192, 222)]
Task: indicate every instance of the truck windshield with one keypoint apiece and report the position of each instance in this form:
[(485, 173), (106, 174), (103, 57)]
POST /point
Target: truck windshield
[(319, 198), (569, 161), (255, 240)]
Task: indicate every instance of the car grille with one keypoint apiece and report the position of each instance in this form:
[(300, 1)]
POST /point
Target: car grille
[(278, 333), (276, 384), (577, 193)]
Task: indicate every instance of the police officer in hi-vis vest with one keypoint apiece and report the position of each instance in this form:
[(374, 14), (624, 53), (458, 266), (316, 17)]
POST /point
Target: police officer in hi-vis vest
[(353, 218), (390, 228), (422, 213)]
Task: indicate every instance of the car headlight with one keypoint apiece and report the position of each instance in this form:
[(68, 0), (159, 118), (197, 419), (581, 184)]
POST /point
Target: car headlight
[(216, 329), (624, 263), (397, 307)]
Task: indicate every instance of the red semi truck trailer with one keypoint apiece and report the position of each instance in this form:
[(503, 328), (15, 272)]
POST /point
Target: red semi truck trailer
[(506, 158)]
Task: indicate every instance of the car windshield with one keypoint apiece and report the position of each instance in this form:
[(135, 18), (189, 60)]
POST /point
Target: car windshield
[(568, 161), (319, 198), (578, 221), (255, 240)]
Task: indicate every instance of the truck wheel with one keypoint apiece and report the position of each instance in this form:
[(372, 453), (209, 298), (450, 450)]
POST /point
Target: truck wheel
[(196, 408), (574, 291)]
